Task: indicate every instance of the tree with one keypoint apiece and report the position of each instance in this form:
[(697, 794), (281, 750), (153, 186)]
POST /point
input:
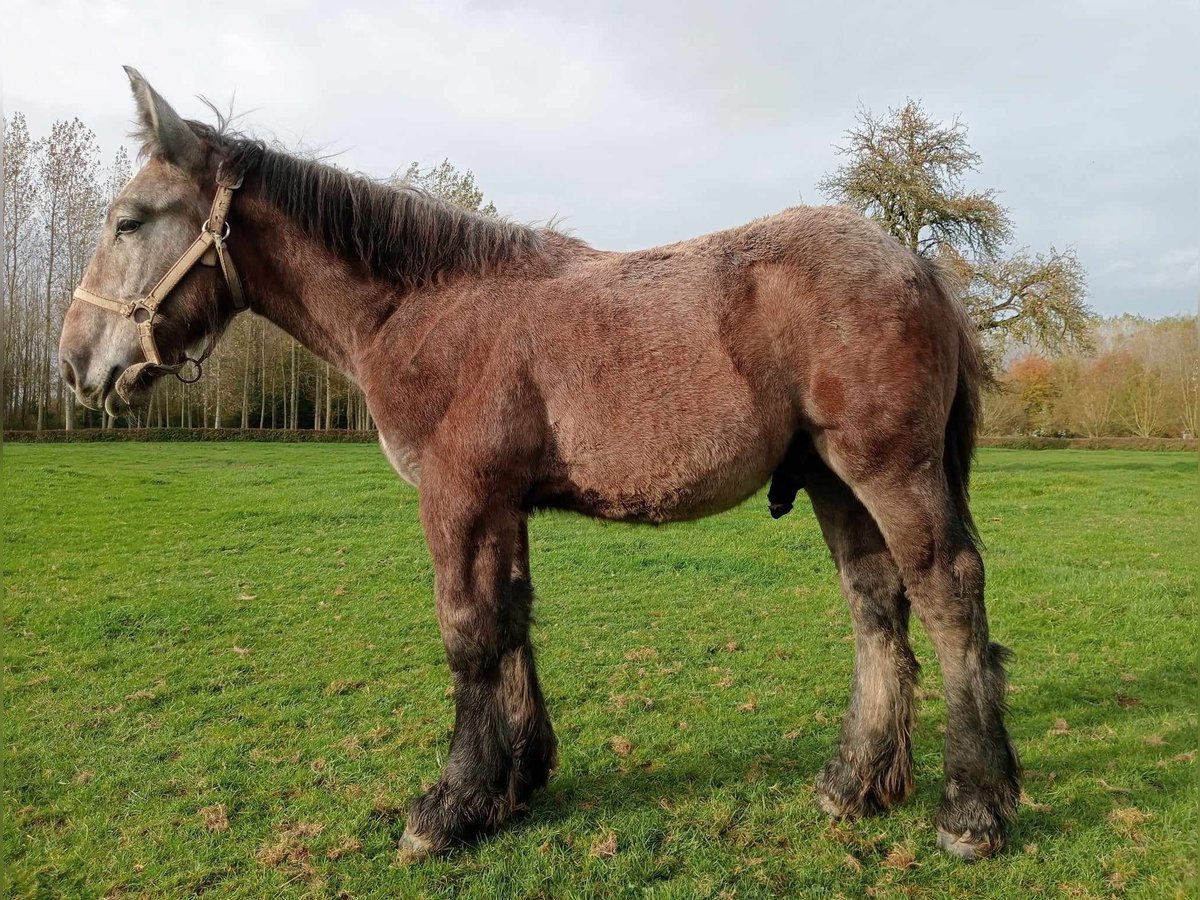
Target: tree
[(1004, 412), (20, 196), (1142, 408), (1031, 378), (117, 175), (71, 206), (446, 182), (1139, 378), (908, 172), (1093, 407)]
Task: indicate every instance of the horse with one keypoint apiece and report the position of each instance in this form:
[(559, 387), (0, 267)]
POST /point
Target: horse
[(512, 369)]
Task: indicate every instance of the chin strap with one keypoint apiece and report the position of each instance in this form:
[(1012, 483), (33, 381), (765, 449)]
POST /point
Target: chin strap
[(209, 248)]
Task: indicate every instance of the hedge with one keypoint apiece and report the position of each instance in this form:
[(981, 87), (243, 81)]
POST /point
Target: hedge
[(1027, 442), (280, 435)]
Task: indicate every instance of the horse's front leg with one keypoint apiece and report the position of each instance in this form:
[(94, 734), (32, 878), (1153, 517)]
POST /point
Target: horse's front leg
[(503, 747)]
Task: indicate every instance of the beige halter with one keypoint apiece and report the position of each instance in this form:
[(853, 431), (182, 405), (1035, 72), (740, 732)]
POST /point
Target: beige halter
[(209, 249)]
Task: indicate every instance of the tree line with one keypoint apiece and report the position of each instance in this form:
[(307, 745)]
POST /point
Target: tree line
[(1059, 369)]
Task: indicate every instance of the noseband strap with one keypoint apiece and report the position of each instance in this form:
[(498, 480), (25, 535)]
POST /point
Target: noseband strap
[(209, 248)]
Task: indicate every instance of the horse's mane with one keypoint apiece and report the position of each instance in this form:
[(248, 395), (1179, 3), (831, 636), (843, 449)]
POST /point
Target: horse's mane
[(395, 231)]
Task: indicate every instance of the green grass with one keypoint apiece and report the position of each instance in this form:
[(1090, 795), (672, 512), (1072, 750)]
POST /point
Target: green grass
[(252, 625)]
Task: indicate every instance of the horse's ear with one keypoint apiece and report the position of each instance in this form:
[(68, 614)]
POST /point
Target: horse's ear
[(161, 130)]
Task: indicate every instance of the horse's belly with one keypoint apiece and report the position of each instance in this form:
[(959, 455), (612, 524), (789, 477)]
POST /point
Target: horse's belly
[(624, 494), (682, 469)]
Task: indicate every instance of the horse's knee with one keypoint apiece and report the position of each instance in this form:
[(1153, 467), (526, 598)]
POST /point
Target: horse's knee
[(875, 593), (471, 639), (946, 589)]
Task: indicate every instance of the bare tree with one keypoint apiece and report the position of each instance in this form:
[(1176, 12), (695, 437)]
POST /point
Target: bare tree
[(1138, 377), (446, 182), (83, 208), (117, 175), (1098, 393), (1143, 406), (906, 171), (20, 197)]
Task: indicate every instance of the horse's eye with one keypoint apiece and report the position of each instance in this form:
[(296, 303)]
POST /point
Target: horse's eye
[(127, 226)]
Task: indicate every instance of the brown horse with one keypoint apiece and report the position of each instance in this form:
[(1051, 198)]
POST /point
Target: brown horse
[(511, 369)]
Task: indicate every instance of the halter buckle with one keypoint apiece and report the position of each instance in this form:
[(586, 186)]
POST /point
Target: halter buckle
[(232, 185)]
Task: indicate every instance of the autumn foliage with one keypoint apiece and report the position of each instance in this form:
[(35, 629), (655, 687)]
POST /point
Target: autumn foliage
[(1140, 381)]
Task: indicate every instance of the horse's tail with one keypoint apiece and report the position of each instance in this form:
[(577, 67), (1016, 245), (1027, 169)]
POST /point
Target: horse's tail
[(962, 425)]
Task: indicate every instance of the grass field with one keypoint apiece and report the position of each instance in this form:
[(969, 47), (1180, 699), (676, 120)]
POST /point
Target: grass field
[(223, 675)]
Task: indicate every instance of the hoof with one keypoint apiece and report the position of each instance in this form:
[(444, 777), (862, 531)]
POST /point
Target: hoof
[(969, 847), (844, 794), (849, 790), (414, 848), (835, 809)]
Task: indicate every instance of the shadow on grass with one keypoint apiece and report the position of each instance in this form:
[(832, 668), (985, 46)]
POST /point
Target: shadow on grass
[(1103, 736), (794, 765)]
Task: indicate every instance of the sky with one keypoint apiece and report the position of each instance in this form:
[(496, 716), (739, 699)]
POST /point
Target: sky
[(643, 123)]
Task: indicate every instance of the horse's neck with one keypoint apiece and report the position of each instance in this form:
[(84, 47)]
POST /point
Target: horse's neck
[(300, 286), (375, 332)]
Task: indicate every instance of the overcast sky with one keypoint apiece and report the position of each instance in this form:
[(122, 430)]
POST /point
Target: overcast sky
[(642, 123)]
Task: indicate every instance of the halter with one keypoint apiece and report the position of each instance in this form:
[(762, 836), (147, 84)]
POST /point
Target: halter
[(208, 249)]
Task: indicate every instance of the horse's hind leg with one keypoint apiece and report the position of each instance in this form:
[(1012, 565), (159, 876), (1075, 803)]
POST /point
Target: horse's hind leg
[(503, 747), (909, 497), (873, 767)]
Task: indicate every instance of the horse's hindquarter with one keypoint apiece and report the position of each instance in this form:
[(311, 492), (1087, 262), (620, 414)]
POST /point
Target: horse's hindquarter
[(663, 400)]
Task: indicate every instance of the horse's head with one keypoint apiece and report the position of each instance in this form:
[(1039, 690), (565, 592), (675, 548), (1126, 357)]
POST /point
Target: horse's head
[(115, 326)]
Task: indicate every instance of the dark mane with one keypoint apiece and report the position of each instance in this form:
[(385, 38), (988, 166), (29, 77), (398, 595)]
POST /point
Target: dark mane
[(394, 231)]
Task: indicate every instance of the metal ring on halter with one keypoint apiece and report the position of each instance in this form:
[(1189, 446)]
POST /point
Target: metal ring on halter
[(190, 365), (223, 237)]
